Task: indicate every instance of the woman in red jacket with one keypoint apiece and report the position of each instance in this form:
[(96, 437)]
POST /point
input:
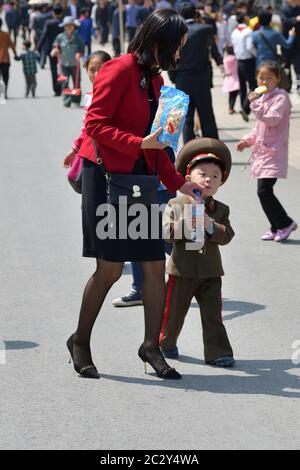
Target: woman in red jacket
[(125, 98)]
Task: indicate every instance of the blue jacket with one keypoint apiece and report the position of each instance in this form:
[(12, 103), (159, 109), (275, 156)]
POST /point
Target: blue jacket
[(86, 29), (275, 38)]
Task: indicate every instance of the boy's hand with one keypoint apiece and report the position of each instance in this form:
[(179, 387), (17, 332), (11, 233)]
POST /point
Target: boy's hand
[(77, 56), (253, 96), (54, 52), (241, 145), (68, 160), (207, 222)]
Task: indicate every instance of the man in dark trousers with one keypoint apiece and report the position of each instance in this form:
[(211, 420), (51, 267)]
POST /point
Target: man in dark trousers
[(50, 31), (192, 75), (290, 17)]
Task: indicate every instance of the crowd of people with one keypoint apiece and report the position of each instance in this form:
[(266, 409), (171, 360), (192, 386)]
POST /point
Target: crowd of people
[(243, 38)]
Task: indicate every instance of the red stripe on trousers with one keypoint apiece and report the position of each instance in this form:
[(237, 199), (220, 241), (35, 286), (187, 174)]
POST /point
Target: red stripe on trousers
[(167, 307)]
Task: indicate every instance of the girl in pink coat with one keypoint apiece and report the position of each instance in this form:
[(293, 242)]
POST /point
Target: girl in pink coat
[(231, 82), (270, 153)]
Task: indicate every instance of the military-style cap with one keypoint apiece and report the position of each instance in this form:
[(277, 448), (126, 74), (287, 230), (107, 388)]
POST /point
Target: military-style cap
[(205, 148)]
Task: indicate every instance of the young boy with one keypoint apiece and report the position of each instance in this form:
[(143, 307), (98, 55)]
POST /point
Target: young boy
[(198, 272), (29, 58), (69, 47)]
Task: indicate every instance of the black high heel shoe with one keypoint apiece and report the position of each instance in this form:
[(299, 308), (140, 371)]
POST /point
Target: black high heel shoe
[(163, 370), (88, 371)]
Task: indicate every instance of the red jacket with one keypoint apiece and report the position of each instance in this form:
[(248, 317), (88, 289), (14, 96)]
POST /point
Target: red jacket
[(117, 119)]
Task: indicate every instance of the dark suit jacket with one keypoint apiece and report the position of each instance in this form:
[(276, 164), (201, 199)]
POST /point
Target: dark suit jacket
[(68, 11), (195, 54), (50, 31)]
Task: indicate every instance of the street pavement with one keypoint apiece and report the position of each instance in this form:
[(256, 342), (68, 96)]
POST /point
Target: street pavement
[(44, 404)]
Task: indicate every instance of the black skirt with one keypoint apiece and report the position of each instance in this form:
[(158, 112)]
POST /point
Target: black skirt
[(116, 249)]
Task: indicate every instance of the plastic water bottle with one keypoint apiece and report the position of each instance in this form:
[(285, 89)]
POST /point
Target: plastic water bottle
[(197, 235)]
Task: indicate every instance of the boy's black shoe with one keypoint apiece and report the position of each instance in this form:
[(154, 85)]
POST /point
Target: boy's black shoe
[(226, 361), (171, 353)]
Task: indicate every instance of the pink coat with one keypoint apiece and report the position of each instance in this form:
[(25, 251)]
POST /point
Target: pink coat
[(271, 135), (231, 79)]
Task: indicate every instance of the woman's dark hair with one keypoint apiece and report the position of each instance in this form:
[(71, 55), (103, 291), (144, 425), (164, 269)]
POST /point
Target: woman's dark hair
[(1, 22), (271, 66), (103, 56), (265, 18), (163, 29)]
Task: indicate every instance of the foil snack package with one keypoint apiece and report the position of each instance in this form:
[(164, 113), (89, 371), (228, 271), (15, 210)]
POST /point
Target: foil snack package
[(170, 115)]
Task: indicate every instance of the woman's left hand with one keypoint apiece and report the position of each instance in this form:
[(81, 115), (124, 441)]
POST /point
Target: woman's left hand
[(189, 187)]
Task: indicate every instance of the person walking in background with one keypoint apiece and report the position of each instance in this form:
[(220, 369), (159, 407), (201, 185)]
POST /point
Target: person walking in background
[(86, 30), (102, 20), (73, 9), (290, 17), (231, 82), (194, 69), (5, 44), (37, 29), (29, 58), (69, 47), (13, 21), (266, 40), (144, 11), (24, 18), (131, 10), (116, 30), (270, 153), (51, 30), (244, 51)]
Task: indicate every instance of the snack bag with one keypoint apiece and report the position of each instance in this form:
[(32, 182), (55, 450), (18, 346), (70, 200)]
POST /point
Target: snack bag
[(170, 115)]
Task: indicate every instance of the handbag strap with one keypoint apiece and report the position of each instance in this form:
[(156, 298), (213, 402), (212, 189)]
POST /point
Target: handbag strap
[(100, 161), (278, 57)]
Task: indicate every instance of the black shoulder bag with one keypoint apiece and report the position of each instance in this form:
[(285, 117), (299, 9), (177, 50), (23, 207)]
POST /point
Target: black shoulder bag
[(132, 189), (285, 80)]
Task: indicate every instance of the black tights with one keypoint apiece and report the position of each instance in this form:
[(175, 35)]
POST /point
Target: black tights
[(97, 288), (276, 214)]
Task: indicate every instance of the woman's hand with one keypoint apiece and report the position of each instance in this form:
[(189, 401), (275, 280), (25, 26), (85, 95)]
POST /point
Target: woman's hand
[(151, 142), (241, 145), (68, 160), (189, 187)]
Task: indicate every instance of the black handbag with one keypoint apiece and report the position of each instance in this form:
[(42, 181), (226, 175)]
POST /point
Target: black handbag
[(129, 189), (285, 78)]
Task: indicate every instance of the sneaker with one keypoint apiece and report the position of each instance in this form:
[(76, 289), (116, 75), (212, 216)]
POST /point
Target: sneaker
[(171, 353), (226, 361), (129, 300), (284, 233), (269, 235)]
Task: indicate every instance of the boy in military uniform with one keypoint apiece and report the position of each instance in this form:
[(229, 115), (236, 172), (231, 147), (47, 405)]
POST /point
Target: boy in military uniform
[(198, 272)]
